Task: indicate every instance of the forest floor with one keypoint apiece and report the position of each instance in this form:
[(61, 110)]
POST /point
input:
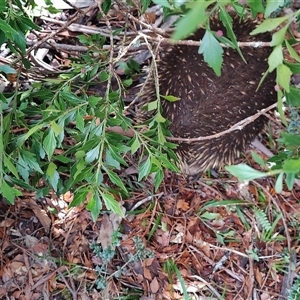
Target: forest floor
[(213, 239)]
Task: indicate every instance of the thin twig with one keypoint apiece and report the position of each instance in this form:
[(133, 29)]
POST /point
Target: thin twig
[(238, 126)]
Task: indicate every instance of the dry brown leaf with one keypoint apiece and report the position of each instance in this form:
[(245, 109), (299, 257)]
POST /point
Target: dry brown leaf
[(154, 286), (105, 232), (147, 274), (40, 214), (7, 222), (183, 205), (265, 296), (258, 276)]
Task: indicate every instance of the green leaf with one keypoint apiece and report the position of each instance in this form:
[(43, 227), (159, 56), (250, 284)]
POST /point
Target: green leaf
[(79, 121), (3, 5), (20, 41), (145, 5), (290, 139), (106, 5), (99, 178), (111, 161), (115, 179), (72, 98), (103, 76), (291, 165), (30, 132), (116, 150), (272, 6), (269, 25), (23, 169), (279, 36), (93, 101), (135, 145), (159, 176), (80, 154), (290, 180), (56, 128), (127, 82), (155, 161), (292, 51), (7, 69), (29, 23), (294, 67), (280, 107), (244, 172), (9, 193), (10, 166), (28, 159), (7, 29), (112, 204), (167, 163), (94, 206), (144, 169), (293, 97), (159, 118), (22, 184), (257, 158), (256, 7), (278, 183), (284, 77), (79, 167), (190, 22), (170, 98), (227, 21), (275, 58), (49, 143), (52, 175), (163, 3), (215, 203), (220, 238), (93, 154), (210, 216), (79, 197), (152, 105), (212, 52)]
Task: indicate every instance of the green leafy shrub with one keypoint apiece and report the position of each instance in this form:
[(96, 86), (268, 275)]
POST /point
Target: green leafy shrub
[(56, 136)]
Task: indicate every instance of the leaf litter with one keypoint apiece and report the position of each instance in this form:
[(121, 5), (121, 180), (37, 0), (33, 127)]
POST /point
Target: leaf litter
[(198, 240)]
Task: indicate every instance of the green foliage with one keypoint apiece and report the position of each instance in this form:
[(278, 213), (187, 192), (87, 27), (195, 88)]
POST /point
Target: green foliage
[(170, 268), (295, 290), (106, 256), (268, 234), (67, 142), (14, 25)]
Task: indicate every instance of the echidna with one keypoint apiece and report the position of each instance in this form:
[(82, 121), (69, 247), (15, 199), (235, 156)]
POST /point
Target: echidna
[(210, 104)]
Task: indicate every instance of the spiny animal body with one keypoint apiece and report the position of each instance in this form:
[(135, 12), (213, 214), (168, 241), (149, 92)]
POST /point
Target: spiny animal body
[(210, 104)]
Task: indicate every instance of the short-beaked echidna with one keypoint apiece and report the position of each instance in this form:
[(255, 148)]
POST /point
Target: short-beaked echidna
[(210, 104)]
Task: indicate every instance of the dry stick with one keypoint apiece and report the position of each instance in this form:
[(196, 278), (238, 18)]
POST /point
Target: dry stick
[(125, 13), (63, 47), (209, 286), (81, 28), (111, 57), (73, 292), (73, 6), (238, 126), (147, 199), (185, 42), (256, 44), (210, 261), (56, 32)]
